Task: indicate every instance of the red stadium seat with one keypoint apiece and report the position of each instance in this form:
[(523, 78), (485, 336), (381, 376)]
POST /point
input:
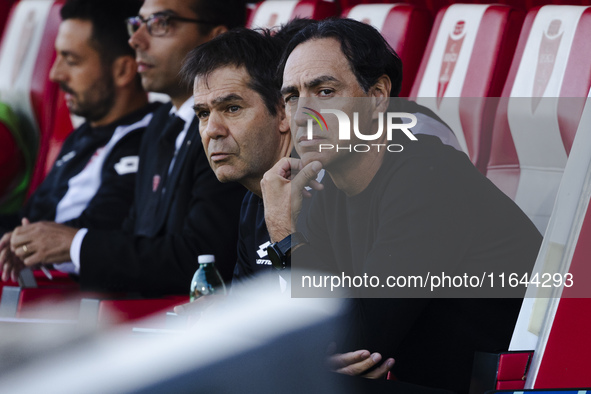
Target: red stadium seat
[(26, 56), (405, 27), (346, 4), (434, 6), (24, 303), (555, 322), (466, 61), (536, 123), (273, 13), (122, 311)]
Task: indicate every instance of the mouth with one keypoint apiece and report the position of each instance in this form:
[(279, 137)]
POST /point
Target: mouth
[(304, 141), (69, 98), (66, 89), (216, 157), (143, 66)]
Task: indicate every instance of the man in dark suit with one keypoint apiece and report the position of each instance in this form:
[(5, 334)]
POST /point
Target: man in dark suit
[(180, 208)]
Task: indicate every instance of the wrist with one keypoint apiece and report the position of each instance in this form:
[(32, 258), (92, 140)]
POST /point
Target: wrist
[(280, 252), (279, 234)]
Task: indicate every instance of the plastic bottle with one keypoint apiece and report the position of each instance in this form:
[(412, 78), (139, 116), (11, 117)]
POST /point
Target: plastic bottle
[(207, 279)]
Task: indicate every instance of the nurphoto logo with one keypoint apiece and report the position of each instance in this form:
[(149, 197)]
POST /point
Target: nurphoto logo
[(345, 129)]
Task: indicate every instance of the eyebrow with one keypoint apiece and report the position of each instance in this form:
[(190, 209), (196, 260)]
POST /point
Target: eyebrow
[(220, 100), (67, 53), (310, 84), (167, 11)]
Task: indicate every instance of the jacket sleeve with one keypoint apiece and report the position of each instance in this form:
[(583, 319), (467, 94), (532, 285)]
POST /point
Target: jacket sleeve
[(204, 221)]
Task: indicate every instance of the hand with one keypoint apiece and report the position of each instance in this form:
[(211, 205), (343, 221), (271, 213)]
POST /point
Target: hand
[(358, 362), (10, 264), (283, 188), (42, 242)]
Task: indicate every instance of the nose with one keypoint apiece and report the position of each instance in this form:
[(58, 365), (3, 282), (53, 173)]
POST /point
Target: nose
[(56, 74), (298, 114), (140, 38), (215, 127)]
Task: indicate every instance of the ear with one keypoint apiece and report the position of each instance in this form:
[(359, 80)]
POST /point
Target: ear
[(283, 121), (380, 92), (124, 71), (216, 31)]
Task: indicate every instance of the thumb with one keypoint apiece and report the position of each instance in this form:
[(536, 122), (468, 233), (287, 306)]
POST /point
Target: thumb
[(25, 221)]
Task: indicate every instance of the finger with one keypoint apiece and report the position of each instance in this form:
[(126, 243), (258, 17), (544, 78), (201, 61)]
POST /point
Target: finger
[(20, 252), (16, 240), (32, 259), (16, 270), (3, 256), (5, 241), (17, 267), (25, 221), (306, 175), (362, 366), (6, 268), (342, 360), (381, 371), (314, 184), (294, 163), (282, 168)]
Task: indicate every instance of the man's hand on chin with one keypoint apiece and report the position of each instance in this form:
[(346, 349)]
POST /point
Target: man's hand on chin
[(283, 188)]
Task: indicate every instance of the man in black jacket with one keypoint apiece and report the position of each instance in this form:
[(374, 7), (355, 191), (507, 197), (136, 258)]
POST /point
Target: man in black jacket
[(406, 208), (180, 209), (91, 183)]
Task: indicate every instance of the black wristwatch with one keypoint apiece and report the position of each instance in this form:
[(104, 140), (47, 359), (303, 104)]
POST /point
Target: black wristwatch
[(280, 252)]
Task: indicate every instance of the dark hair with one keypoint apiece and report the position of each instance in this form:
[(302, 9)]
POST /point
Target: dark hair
[(368, 53), (109, 33), (256, 52), (229, 13), (290, 29)]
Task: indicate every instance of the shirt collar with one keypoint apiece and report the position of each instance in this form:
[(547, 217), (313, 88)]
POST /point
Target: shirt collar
[(185, 112)]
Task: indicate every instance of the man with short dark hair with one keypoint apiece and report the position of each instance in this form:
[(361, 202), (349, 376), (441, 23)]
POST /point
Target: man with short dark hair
[(397, 212), (92, 181), (242, 124), (180, 210)]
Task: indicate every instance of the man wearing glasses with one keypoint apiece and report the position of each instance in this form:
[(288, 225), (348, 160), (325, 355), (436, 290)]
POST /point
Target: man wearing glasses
[(180, 209)]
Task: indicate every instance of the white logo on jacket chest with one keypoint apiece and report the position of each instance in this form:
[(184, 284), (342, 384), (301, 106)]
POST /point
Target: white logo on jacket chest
[(262, 252), (65, 158), (127, 165)]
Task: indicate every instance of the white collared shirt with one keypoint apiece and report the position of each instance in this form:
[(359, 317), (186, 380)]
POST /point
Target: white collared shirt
[(186, 113)]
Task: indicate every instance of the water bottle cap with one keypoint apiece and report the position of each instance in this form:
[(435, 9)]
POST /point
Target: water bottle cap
[(206, 258)]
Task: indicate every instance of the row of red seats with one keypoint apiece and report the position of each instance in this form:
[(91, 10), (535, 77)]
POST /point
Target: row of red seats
[(487, 51), (434, 6)]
